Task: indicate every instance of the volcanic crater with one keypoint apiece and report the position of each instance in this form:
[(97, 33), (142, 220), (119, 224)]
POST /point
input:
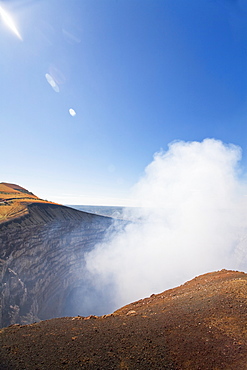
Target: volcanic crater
[(199, 325)]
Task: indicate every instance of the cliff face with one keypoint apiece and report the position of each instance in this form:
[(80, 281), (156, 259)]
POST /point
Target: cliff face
[(42, 262)]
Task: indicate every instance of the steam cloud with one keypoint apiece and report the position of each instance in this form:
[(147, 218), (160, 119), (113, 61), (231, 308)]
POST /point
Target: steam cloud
[(191, 220)]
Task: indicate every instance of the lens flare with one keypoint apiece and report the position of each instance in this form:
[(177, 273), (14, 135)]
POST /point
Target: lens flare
[(72, 112), (52, 82), (9, 22)]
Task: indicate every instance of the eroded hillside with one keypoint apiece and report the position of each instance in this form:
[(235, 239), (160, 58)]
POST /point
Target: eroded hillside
[(14, 201), (42, 266)]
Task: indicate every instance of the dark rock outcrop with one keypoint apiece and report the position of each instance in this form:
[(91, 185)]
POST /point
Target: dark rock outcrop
[(42, 262)]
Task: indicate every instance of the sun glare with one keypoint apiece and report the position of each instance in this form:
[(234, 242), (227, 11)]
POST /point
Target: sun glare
[(9, 22), (72, 112)]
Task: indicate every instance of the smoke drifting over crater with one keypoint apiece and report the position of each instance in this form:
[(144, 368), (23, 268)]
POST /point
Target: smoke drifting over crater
[(191, 220)]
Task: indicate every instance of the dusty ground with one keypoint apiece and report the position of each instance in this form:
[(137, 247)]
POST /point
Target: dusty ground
[(199, 325)]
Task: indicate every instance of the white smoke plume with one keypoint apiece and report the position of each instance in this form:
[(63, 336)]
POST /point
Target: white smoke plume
[(191, 220)]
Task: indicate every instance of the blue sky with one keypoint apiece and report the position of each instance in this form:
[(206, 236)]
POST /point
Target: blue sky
[(138, 73)]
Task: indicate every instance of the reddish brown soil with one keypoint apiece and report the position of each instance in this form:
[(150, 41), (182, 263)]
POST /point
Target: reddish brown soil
[(199, 325)]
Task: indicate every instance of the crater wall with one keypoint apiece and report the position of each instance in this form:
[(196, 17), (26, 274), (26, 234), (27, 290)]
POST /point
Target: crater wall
[(42, 263)]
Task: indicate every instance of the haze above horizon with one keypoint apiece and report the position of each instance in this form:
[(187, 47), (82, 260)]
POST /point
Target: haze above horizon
[(92, 89)]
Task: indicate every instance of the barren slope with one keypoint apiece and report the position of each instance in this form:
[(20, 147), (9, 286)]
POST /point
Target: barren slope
[(14, 201), (199, 325), (42, 262)]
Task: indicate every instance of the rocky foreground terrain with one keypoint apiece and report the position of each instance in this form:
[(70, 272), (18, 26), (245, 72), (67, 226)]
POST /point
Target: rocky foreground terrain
[(199, 325)]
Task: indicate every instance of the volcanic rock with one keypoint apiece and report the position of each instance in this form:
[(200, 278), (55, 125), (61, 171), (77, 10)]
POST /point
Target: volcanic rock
[(199, 325), (42, 253)]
